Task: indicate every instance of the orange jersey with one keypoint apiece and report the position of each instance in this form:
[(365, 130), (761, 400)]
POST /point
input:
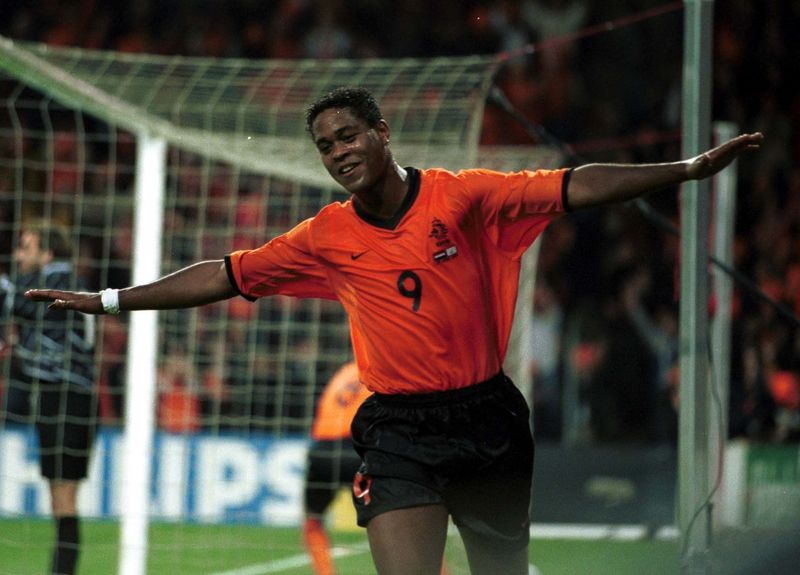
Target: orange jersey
[(338, 404), (430, 293)]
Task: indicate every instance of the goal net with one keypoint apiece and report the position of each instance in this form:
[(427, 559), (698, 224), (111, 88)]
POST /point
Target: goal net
[(235, 384)]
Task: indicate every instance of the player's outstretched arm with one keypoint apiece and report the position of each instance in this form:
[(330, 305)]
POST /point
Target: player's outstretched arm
[(195, 285), (599, 184)]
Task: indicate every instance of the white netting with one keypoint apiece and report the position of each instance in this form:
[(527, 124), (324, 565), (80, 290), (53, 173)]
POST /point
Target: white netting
[(251, 113), (237, 383)]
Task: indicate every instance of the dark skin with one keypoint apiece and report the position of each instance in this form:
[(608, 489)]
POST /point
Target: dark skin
[(358, 157)]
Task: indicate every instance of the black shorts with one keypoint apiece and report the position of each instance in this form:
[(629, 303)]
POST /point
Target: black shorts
[(67, 425), (469, 449), (331, 465)]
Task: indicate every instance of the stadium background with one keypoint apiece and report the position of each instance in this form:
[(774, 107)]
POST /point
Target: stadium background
[(610, 97)]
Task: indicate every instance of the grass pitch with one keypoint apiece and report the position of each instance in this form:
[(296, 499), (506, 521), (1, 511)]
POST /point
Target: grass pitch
[(189, 549)]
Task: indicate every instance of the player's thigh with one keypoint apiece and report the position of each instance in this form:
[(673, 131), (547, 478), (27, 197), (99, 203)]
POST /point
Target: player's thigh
[(486, 558), (67, 426), (17, 401), (409, 540), (491, 506), (492, 515)]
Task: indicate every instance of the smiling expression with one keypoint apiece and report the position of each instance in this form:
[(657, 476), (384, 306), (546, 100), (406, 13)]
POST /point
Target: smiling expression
[(356, 155)]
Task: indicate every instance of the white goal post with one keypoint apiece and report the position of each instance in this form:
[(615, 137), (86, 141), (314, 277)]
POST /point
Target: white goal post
[(223, 162)]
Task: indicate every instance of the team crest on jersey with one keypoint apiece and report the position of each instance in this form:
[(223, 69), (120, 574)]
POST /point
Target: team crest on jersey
[(445, 249)]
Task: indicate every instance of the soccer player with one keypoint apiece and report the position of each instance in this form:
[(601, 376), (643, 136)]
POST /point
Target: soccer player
[(53, 369), (332, 461), (426, 263)]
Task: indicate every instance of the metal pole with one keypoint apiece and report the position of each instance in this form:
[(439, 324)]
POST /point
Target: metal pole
[(693, 473), (724, 195), (140, 385)]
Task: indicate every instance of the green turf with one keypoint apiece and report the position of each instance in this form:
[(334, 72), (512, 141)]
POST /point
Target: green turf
[(178, 549), (557, 557)]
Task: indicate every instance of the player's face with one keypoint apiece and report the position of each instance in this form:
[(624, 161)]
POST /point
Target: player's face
[(29, 255), (355, 155)]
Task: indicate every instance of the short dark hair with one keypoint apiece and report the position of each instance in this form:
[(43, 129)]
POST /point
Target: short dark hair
[(359, 100)]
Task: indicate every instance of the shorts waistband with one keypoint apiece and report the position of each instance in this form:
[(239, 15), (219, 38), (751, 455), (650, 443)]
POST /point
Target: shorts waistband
[(440, 397)]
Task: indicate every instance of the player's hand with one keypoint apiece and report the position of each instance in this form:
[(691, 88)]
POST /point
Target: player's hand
[(85, 302), (714, 160)]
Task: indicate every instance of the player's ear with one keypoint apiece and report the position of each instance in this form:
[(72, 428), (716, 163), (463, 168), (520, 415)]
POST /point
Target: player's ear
[(382, 128)]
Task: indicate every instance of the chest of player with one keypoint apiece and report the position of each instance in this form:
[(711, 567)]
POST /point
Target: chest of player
[(425, 259), (423, 240)]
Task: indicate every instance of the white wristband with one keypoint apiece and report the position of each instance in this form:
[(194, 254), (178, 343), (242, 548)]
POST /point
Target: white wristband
[(110, 300)]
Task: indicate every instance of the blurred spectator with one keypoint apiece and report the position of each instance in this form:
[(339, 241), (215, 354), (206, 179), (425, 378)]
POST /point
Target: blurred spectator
[(111, 383), (551, 19), (548, 318), (178, 393), (752, 409), (327, 38), (785, 389), (623, 392)]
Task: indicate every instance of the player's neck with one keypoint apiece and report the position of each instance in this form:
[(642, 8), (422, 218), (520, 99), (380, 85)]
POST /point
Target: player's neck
[(387, 196)]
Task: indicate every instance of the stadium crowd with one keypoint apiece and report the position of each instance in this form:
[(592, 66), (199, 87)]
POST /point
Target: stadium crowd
[(606, 301)]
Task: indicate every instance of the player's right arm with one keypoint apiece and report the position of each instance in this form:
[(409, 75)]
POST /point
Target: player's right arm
[(199, 284)]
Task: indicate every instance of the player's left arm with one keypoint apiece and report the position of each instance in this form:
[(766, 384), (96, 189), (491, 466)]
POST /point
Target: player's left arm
[(600, 184)]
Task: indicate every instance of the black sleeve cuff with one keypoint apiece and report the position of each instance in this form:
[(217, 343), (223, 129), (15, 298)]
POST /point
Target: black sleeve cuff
[(564, 186), (229, 271)]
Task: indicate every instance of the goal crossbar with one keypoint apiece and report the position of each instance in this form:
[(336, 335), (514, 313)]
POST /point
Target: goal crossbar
[(251, 113)]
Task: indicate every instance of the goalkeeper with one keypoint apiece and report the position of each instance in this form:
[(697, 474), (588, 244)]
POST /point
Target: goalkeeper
[(53, 369), (426, 263)]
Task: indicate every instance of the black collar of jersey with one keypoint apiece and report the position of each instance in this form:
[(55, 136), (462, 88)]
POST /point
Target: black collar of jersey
[(391, 222)]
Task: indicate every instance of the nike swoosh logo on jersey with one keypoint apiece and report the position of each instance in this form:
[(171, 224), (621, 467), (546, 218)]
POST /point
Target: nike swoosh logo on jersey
[(358, 255)]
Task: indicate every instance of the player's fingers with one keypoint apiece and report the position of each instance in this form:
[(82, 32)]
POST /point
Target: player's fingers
[(739, 143), (730, 150), (747, 142), (40, 294), (77, 304)]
